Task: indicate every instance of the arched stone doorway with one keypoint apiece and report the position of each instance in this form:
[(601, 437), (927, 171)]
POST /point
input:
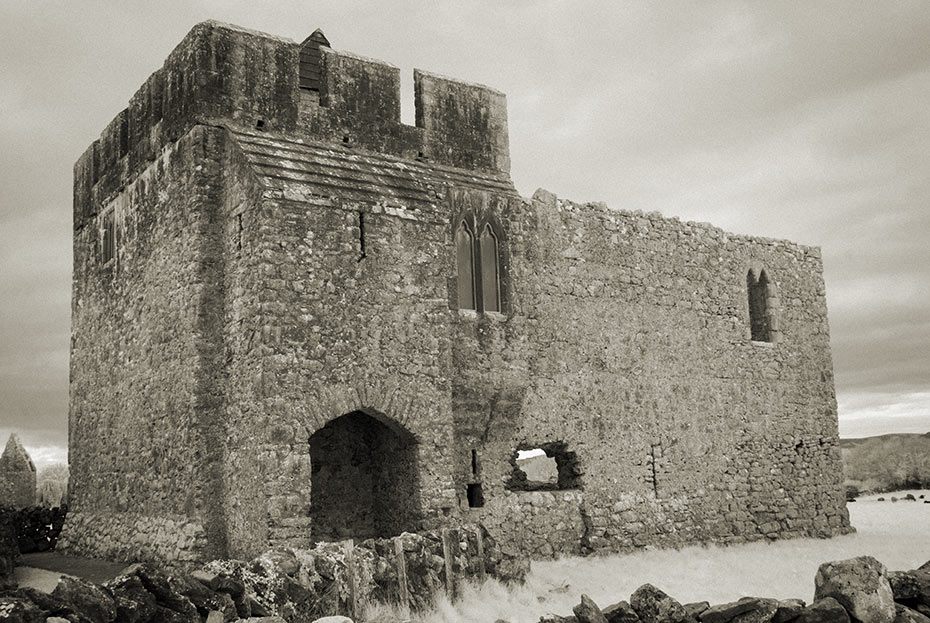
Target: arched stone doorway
[(364, 478)]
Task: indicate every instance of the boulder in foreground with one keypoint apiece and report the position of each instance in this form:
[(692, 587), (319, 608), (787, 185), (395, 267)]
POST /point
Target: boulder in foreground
[(860, 585)]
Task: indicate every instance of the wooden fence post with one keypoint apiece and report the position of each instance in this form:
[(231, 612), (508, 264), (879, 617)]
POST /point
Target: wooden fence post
[(349, 549), (482, 570), (447, 557), (402, 588)]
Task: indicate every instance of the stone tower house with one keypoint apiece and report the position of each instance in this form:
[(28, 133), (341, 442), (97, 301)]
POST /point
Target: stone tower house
[(296, 318), (17, 475)]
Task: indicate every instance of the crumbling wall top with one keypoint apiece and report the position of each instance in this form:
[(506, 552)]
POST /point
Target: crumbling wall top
[(15, 458)]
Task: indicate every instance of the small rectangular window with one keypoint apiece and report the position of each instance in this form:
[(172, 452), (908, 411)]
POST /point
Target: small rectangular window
[(475, 495)]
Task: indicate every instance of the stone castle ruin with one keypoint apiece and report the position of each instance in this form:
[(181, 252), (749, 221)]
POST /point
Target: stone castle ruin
[(17, 475), (298, 319)]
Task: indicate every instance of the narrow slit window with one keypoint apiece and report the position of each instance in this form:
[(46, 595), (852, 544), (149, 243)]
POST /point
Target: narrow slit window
[(238, 235), (758, 289), (109, 237), (124, 134), (362, 253), (465, 263), (490, 271)]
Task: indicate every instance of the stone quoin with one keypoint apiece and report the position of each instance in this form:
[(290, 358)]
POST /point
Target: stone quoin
[(296, 318)]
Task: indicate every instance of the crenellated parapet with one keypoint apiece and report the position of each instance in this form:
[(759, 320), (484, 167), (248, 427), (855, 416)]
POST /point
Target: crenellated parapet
[(225, 75), (466, 124)]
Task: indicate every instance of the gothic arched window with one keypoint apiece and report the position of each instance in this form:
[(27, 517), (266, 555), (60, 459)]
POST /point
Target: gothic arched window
[(759, 324), (465, 265), (490, 271)]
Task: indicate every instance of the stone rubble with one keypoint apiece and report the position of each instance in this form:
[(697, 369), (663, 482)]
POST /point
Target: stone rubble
[(857, 590), (260, 592), (280, 585)]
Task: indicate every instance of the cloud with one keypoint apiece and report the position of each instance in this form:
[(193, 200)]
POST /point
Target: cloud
[(787, 120), (863, 414), (42, 453)]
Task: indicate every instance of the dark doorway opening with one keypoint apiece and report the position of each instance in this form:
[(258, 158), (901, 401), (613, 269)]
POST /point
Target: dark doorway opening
[(364, 478), (475, 495)]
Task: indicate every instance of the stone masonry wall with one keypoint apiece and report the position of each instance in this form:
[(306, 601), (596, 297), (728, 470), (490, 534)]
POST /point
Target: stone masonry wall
[(629, 342), (340, 333), (144, 430), (281, 319)]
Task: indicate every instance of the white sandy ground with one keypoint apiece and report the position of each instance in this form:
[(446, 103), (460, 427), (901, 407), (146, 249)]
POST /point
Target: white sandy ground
[(39, 579), (898, 534)]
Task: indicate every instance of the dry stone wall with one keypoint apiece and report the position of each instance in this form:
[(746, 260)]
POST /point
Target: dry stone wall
[(8, 549)]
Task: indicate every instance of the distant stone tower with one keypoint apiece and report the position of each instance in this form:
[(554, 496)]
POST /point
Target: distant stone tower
[(17, 475)]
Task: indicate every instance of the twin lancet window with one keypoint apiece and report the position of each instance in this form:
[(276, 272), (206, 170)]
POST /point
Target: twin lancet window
[(478, 267)]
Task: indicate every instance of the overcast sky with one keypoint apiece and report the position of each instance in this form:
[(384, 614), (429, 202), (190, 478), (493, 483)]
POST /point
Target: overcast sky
[(805, 120)]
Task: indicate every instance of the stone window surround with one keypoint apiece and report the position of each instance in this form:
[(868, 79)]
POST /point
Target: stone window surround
[(567, 462), (772, 305), (476, 225)]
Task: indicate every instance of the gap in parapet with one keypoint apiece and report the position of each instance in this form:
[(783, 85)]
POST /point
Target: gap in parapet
[(407, 108)]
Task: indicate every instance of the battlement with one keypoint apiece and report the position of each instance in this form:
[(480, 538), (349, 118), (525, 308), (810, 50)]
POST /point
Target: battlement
[(221, 74)]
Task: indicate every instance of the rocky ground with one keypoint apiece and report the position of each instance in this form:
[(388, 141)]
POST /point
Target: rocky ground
[(858, 589), (280, 585)]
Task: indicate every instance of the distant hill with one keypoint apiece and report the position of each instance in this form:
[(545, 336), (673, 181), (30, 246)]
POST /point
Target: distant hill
[(887, 462), (539, 469)]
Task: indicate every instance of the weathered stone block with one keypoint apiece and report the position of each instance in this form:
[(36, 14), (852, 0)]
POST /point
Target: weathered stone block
[(655, 606), (903, 614), (91, 601), (826, 610), (621, 612), (588, 612), (788, 610), (745, 610), (905, 585), (19, 610), (860, 585)]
